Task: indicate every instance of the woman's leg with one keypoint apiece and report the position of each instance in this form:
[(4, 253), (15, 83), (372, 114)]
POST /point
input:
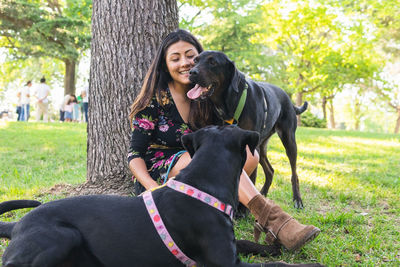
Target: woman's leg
[(247, 190)]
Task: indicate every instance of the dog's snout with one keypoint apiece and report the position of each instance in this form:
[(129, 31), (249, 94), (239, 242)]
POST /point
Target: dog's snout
[(193, 71)]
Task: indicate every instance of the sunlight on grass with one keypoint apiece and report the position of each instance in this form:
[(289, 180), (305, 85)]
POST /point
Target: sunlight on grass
[(370, 142), (3, 124)]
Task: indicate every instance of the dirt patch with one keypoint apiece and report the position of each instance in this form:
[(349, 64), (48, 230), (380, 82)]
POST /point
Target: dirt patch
[(67, 190)]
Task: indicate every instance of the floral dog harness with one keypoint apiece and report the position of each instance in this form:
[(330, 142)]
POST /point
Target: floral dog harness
[(159, 225)]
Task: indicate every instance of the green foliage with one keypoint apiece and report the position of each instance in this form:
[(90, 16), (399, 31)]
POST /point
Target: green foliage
[(52, 31), (34, 28), (349, 182), (385, 16), (310, 120), (228, 26), (314, 48)]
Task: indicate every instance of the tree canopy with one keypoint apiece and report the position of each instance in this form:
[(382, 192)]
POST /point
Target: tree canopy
[(312, 49), (53, 29)]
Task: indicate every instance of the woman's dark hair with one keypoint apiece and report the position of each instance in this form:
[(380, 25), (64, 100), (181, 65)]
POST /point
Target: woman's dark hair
[(158, 77), (73, 99)]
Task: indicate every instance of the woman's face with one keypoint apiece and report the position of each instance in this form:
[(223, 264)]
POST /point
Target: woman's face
[(179, 59)]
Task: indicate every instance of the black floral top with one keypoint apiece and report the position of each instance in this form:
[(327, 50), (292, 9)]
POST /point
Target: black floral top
[(156, 137)]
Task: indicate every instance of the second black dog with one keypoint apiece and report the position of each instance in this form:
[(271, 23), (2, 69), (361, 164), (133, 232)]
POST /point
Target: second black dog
[(267, 109)]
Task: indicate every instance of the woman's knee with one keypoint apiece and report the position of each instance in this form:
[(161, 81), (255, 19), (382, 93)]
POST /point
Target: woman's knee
[(251, 161)]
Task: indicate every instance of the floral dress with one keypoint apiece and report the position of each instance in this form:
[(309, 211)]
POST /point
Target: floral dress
[(156, 137)]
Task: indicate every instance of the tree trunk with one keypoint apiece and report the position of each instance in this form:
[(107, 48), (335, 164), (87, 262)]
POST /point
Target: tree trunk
[(126, 35), (357, 115), (331, 115), (299, 102), (69, 78), (397, 127), (324, 101)]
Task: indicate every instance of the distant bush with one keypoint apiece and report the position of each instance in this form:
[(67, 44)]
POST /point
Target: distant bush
[(310, 120)]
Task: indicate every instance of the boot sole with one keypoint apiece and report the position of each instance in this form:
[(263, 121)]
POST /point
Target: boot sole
[(310, 237)]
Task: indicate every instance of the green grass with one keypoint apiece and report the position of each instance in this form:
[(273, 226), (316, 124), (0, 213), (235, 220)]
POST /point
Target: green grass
[(350, 184), (36, 156)]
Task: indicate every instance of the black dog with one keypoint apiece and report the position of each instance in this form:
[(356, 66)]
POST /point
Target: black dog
[(267, 109), (93, 231)]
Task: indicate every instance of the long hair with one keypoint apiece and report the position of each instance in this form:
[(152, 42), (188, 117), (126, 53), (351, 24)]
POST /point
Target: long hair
[(158, 77)]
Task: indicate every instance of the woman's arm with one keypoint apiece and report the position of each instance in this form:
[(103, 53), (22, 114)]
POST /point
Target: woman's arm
[(144, 124), (139, 170)]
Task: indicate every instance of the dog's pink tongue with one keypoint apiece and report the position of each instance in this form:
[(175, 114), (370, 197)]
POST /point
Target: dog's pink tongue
[(195, 92)]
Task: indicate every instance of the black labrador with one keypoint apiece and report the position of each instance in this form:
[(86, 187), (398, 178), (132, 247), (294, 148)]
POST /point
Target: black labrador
[(116, 231), (267, 109)]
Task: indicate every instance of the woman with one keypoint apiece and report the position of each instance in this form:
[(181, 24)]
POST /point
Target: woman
[(162, 113)]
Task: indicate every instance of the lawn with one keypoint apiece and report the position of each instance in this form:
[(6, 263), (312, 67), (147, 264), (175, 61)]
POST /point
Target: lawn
[(350, 184)]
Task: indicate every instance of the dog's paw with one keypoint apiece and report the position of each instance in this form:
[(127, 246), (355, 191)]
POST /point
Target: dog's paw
[(298, 204), (247, 247)]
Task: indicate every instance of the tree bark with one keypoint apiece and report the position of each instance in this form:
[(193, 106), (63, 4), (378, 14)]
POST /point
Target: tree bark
[(299, 102), (332, 115), (324, 101), (69, 77), (126, 35), (397, 127), (357, 115)]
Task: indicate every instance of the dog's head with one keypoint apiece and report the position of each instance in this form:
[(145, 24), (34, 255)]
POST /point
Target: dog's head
[(213, 70), (216, 76), (225, 139)]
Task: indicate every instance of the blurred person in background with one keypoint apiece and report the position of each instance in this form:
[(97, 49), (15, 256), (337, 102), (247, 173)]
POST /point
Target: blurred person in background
[(85, 102), (62, 107), (25, 99), (42, 93), (75, 109)]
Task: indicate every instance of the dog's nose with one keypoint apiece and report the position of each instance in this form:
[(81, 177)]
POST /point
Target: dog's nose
[(193, 71)]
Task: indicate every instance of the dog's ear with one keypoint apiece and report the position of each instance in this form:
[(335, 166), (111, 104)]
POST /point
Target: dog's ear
[(251, 139), (187, 142), (233, 93), (237, 80)]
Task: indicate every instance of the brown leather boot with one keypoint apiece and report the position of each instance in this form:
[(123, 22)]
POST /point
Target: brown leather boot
[(278, 225)]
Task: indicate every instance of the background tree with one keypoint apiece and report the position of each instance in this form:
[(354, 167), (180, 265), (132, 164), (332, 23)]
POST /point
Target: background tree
[(229, 26), (386, 18), (39, 29), (126, 35)]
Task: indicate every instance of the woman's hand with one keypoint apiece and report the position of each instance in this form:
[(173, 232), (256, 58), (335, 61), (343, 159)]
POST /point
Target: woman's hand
[(139, 170)]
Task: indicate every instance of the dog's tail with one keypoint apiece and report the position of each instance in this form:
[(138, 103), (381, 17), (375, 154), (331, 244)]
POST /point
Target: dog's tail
[(6, 228), (301, 109)]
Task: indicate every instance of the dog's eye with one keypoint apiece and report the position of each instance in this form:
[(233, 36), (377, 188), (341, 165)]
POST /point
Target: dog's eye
[(196, 60), (212, 61)]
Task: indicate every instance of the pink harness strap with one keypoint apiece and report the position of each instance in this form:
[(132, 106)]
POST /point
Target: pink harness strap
[(202, 196), (163, 232), (159, 224)]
